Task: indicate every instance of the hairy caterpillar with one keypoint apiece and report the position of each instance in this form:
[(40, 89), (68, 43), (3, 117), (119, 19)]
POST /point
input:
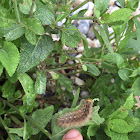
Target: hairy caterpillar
[(78, 117)]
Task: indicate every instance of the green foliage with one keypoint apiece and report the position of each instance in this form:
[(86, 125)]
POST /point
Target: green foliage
[(63, 81), (135, 86), (9, 57), (105, 39), (76, 98), (1, 69), (93, 69), (14, 33), (5, 17), (122, 2), (100, 7), (32, 55), (45, 15), (29, 97), (37, 79), (42, 117), (25, 6), (120, 123), (70, 32), (34, 25), (40, 84)]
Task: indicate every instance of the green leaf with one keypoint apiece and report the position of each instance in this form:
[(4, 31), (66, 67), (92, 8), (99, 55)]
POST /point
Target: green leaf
[(101, 5), (14, 77), (123, 111), (137, 24), (133, 4), (136, 87), (5, 30), (135, 72), (42, 117), (109, 109), (118, 20), (8, 90), (105, 39), (93, 69), (5, 20), (34, 25), (40, 84), (119, 16), (114, 58), (133, 121), (101, 83), (84, 67), (111, 68), (63, 58), (58, 46), (45, 15), (76, 97), (27, 131), (16, 32), (85, 42), (62, 16), (97, 13), (29, 97), (91, 131), (120, 126), (124, 74), (127, 35), (30, 36), (98, 36), (134, 136), (90, 52), (9, 57), (122, 2), (18, 131), (27, 83), (58, 132), (70, 36), (64, 81), (17, 94), (116, 136), (1, 69), (32, 55), (129, 102), (2, 110), (25, 8), (54, 75), (132, 47)]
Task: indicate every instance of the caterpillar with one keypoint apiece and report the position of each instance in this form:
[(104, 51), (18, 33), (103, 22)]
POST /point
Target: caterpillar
[(77, 118)]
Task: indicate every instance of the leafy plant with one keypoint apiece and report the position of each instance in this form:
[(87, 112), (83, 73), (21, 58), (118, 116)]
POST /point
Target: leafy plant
[(30, 60)]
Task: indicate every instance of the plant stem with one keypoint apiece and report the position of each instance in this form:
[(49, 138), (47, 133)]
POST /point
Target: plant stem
[(16, 10), (83, 18), (28, 118), (69, 66), (83, 3), (92, 59), (32, 8), (16, 120), (38, 126), (71, 73), (6, 128)]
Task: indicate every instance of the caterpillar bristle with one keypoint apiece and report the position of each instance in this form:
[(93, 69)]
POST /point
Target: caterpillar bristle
[(78, 117)]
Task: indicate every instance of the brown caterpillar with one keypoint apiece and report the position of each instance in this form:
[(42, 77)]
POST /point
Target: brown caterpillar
[(78, 117)]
